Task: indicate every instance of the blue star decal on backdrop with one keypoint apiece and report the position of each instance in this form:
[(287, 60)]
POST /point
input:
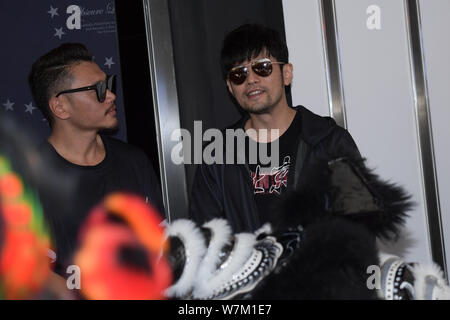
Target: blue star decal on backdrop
[(53, 12), (47, 19), (109, 62), (29, 107), (9, 105), (59, 33)]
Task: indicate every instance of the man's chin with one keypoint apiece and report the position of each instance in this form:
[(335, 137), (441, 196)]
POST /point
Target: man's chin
[(259, 110), (111, 128)]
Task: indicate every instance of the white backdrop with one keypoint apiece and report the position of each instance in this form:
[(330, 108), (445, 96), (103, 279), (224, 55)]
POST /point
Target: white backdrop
[(378, 93)]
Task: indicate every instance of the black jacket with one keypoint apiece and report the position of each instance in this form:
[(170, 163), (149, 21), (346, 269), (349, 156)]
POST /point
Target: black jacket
[(226, 191)]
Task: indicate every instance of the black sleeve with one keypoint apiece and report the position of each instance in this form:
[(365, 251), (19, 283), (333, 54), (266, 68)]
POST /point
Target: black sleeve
[(152, 184), (206, 195), (145, 176), (343, 145)]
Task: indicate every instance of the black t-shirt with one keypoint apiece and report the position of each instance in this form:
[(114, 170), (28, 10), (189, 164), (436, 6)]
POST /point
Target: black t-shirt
[(270, 181), (124, 168)]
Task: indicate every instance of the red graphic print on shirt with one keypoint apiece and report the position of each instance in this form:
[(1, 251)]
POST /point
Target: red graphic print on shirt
[(271, 180)]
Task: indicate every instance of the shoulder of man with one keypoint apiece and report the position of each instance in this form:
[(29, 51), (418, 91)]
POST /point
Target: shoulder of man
[(51, 161), (335, 140), (240, 124), (44, 148), (123, 149), (315, 128), (237, 125), (134, 156)]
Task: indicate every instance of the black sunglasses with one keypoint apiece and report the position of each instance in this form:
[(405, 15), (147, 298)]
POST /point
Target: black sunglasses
[(262, 67), (100, 88)]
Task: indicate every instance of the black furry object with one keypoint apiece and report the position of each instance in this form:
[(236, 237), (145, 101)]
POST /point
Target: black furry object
[(134, 257), (346, 187), (340, 210), (330, 263), (361, 195), (177, 257)]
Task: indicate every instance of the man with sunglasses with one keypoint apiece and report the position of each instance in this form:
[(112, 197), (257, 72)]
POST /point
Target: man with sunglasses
[(77, 98), (256, 68)]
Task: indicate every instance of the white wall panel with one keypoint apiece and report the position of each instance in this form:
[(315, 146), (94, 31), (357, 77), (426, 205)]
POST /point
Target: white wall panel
[(436, 39), (378, 95), (380, 105), (304, 38)]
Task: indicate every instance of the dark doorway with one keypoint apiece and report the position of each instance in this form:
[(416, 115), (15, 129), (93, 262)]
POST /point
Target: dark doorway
[(198, 29), (137, 89)]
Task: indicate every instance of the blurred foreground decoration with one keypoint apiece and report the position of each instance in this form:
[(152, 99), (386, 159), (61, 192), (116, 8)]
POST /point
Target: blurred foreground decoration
[(122, 245), (24, 243), (323, 246), (122, 251)]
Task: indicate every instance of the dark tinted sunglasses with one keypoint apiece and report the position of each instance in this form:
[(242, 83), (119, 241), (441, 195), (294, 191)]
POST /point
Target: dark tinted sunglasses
[(100, 88), (262, 67)]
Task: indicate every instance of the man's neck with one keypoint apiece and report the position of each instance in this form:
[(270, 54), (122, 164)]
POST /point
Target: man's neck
[(279, 119), (81, 148)]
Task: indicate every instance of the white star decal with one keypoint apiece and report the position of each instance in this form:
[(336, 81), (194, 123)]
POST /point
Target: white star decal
[(53, 11), (29, 107), (109, 62), (8, 105), (59, 33)]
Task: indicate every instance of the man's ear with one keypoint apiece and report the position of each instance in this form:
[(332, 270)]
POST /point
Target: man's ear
[(230, 88), (57, 108), (288, 74)]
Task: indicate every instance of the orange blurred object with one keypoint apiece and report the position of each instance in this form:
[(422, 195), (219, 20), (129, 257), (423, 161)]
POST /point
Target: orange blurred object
[(106, 277), (10, 185), (16, 214), (24, 266), (123, 258), (142, 218)]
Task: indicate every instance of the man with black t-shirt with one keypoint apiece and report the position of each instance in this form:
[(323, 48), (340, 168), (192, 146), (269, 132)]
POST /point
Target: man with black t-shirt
[(77, 99), (255, 65)]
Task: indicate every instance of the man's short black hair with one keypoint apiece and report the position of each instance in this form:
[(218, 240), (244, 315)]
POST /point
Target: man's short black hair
[(51, 72), (248, 41)]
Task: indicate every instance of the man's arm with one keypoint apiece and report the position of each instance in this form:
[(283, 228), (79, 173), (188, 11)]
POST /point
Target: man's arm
[(154, 187), (206, 196), (146, 179), (343, 145)]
